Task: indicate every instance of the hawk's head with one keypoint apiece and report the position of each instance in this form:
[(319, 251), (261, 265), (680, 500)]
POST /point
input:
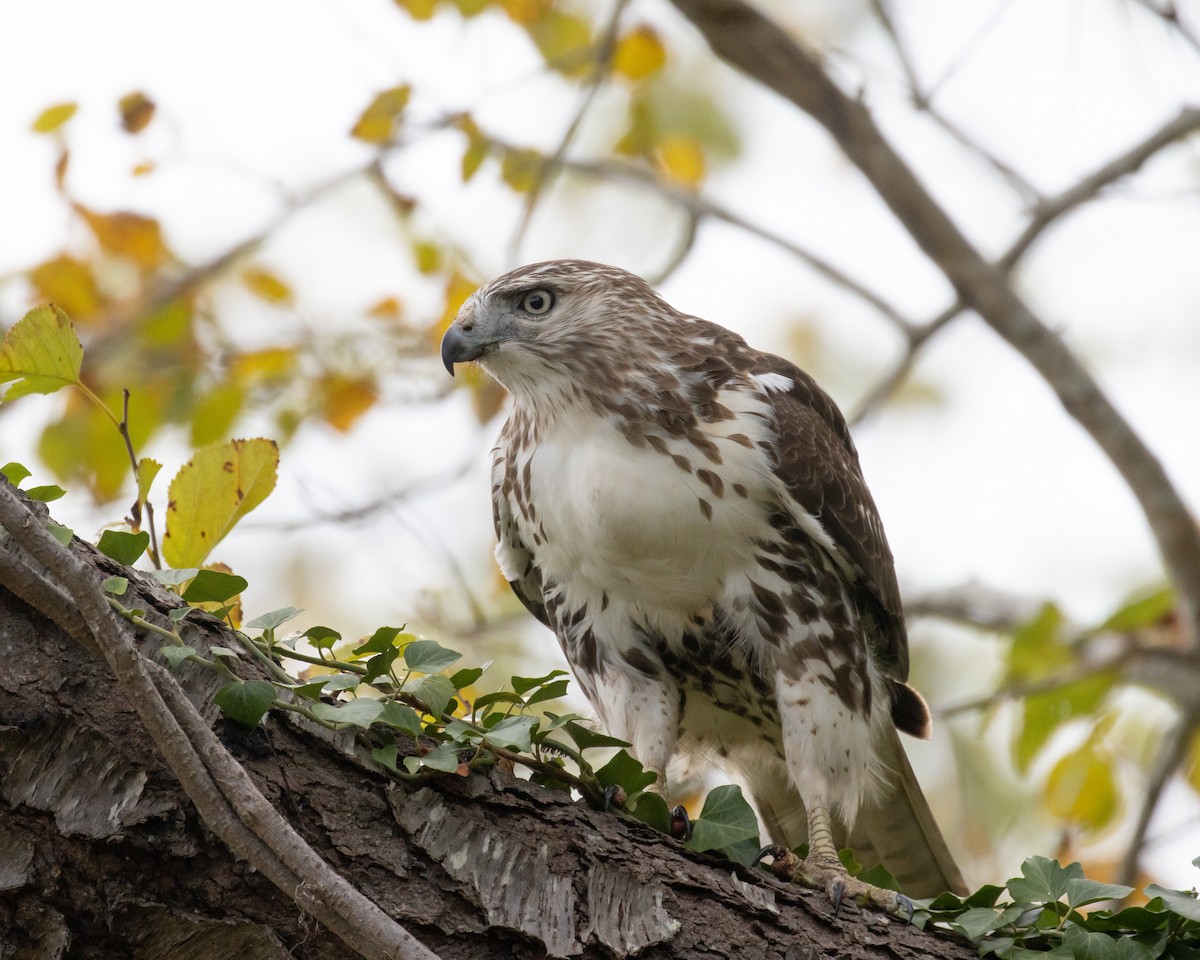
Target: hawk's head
[(547, 324)]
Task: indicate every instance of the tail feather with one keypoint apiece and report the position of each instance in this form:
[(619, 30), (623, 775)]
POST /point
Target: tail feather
[(895, 827)]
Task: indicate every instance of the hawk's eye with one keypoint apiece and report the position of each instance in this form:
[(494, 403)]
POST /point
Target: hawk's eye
[(537, 302)]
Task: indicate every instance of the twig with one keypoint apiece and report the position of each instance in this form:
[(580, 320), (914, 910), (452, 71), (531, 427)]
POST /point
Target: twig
[(1174, 747), (701, 207), (748, 40), (1048, 211), (923, 101), (545, 171)]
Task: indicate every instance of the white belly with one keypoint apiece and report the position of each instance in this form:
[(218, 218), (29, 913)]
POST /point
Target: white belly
[(624, 519)]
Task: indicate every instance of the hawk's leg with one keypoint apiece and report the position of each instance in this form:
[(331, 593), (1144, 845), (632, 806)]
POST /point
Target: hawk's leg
[(823, 870), (644, 711)]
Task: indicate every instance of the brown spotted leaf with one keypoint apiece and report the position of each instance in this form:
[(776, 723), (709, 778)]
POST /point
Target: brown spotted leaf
[(212, 492)]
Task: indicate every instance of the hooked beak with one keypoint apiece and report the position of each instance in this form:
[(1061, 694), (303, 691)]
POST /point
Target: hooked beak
[(459, 346)]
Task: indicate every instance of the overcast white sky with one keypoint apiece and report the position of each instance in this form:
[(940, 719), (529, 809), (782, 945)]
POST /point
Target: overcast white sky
[(993, 483)]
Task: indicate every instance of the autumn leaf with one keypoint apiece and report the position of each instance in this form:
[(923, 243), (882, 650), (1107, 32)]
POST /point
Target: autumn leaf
[(639, 54), (54, 117), (42, 352), (137, 110), (69, 283), (128, 235), (418, 9), (377, 123), (266, 285), (680, 159), (212, 492), (345, 399)]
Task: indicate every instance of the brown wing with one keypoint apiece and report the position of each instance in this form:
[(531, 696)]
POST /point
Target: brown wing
[(819, 464)]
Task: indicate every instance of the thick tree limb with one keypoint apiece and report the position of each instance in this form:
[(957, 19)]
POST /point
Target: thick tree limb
[(100, 847), (757, 46)]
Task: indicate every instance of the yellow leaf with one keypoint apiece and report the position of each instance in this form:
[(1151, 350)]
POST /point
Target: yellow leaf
[(137, 110), (389, 308), (264, 366), (378, 122), (128, 235), (564, 41), (520, 169), (428, 256), (458, 288), (143, 168), (418, 9), (267, 286), (146, 472), (473, 157), (680, 159), (470, 8), (1081, 789), (525, 12), (214, 413), (69, 283), (345, 399), (84, 449), (54, 117), (639, 54), (41, 352), (212, 492)]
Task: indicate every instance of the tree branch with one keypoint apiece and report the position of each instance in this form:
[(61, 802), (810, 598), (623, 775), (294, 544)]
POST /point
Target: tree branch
[(760, 48)]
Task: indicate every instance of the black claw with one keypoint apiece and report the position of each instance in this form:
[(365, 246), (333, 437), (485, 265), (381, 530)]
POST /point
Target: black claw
[(609, 793), (839, 892), (681, 824), (772, 850)]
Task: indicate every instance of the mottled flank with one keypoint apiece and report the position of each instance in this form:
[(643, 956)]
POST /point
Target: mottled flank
[(688, 515)]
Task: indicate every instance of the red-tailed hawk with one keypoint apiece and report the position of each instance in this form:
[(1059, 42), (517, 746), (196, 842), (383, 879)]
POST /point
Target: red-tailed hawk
[(688, 516)]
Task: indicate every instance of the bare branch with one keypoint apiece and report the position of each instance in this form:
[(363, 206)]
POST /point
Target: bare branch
[(1173, 750), (1048, 211), (600, 69), (756, 45)]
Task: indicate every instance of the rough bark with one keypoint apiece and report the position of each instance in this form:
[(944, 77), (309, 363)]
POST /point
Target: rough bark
[(103, 854)]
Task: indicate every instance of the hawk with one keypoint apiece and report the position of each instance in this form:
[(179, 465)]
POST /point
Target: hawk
[(689, 517)]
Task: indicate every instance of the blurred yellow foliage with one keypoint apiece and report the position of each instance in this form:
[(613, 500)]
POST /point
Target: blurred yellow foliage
[(639, 54), (680, 159)]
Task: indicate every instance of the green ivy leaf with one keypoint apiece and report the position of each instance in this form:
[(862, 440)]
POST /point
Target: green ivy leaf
[(436, 691), (386, 756), (550, 691), (1179, 903), (625, 772), (513, 732), (427, 656), (323, 638), (586, 738), (1087, 945), (1081, 892), (245, 701), (115, 585), (525, 684), (651, 809), (402, 716), (443, 757), (1043, 880), (726, 819), (176, 655), (361, 712), (500, 696), (380, 641), (62, 534), (122, 546), (212, 586), (274, 619), (467, 676)]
